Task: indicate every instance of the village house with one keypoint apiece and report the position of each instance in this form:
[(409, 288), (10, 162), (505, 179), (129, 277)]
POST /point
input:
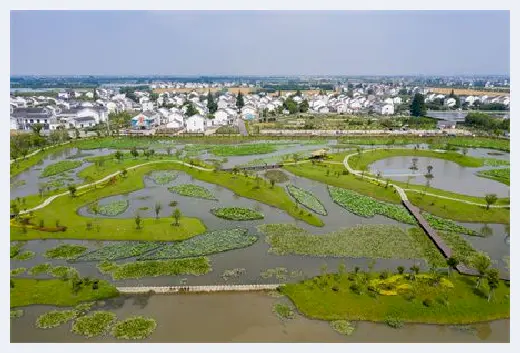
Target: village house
[(195, 123), (145, 120)]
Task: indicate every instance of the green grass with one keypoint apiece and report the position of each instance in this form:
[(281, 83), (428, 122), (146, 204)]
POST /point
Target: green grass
[(206, 244), (56, 292), (191, 266), (307, 199), (361, 162), (374, 241), (335, 297), (60, 167), (65, 252), (95, 324), (237, 213), (134, 328), (500, 175)]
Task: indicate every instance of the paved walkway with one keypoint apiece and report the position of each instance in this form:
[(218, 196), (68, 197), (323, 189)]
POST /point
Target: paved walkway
[(198, 289), (52, 198)]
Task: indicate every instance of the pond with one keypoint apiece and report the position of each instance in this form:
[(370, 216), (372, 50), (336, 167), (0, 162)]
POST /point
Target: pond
[(198, 318), (447, 175)]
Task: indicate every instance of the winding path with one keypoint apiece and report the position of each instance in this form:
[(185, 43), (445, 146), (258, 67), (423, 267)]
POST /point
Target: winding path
[(47, 201), (402, 192)]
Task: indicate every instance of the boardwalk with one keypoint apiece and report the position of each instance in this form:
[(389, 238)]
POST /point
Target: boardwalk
[(198, 289)]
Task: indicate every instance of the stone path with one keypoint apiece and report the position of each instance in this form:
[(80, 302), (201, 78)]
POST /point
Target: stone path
[(198, 289)]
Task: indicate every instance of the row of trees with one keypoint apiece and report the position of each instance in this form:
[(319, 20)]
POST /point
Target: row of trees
[(486, 122)]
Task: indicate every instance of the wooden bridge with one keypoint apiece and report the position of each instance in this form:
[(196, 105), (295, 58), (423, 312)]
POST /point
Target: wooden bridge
[(439, 243), (197, 289)]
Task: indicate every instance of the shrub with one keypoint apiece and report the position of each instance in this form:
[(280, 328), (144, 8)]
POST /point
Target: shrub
[(95, 324), (277, 175), (427, 302), (134, 328)]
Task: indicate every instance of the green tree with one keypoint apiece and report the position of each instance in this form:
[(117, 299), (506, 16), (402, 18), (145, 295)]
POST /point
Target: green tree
[(138, 221), (72, 190), (177, 216), (76, 133), (415, 270), (36, 128), (418, 108), (304, 106), (481, 263), (240, 101), (157, 209), (124, 172), (212, 105), (118, 155), (290, 105), (400, 270), (490, 200), (452, 263), (134, 152), (493, 281), (191, 110)]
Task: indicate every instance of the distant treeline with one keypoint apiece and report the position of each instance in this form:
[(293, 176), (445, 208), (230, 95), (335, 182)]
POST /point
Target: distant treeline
[(294, 87)]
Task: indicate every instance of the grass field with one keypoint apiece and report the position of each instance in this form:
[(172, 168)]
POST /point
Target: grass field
[(425, 299), (56, 292)]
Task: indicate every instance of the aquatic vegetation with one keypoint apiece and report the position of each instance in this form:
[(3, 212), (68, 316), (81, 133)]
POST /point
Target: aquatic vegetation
[(65, 252), (62, 271), (279, 273), (283, 311), (114, 208), (80, 155), (234, 273), (83, 308), (461, 248), (191, 266), (365, 206), (55, 318), (502, 175), (192, 190), (17, 183), (307, 199), (134, 328), (60, 167), (237, 213), (15, 249), (120, 250), (374, 241), (493, 162), (144, 208), (277, 175), (393, 322), (163, 177), (242, 150), (447, 225), (209, 243), (95, 324), (25, 255), (343, 327), (18, 271), (15, 314), (429, 251), (39, 269)]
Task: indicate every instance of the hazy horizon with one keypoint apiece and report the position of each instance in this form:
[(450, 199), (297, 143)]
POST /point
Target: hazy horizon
[(260, 43)]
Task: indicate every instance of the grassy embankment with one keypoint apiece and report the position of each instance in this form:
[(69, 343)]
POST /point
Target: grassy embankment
[(437, 206), (500, 175), (423, 299), (65, 208), (23, 164), (56, 292), (469, 142)]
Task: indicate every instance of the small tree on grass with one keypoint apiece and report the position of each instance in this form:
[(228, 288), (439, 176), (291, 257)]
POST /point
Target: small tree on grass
[(138, 221), (272, 182), (176, 215), (118, 155), (72, 190), (134, 152), (429, 169), (400, 270), (481, 263), (146, 154), (452, 263), (158, 208), (415, 271), (491, 199), (493, 281)]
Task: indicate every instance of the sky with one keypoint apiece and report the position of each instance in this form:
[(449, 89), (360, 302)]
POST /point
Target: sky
[(259, 42)]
